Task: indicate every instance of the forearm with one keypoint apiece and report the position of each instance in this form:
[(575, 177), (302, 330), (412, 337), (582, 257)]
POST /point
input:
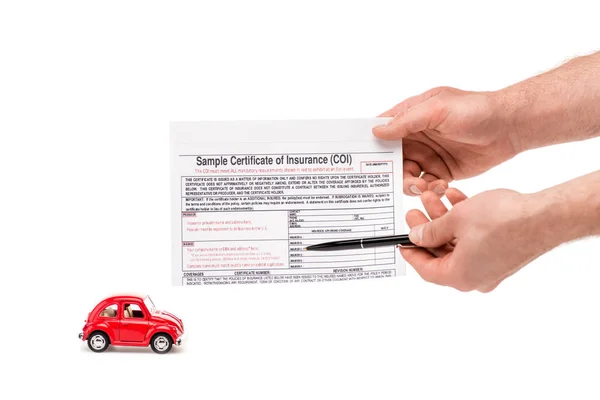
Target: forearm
[(566, 212), (562, 105)]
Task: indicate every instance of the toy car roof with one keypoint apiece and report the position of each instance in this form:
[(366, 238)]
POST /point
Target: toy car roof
[(126, 295)]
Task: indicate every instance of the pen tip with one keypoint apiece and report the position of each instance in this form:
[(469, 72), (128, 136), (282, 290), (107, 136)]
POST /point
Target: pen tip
[(304, 248)]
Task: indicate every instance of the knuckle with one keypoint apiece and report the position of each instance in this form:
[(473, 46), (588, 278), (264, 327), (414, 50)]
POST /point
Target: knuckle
[(439, 90), (412, 125), (448, 90), (430, 234), (439, 111)]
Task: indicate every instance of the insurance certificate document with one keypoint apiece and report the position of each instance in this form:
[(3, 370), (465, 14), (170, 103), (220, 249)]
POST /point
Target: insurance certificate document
[(248, 197)]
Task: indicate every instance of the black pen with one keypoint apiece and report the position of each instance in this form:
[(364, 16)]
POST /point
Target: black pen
[(364, 243)]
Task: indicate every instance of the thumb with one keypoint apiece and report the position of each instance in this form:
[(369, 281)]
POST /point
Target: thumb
[(433, 234), (422, 116)]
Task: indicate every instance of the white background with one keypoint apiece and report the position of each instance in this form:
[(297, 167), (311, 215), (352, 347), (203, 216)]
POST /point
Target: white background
[(87, 90)]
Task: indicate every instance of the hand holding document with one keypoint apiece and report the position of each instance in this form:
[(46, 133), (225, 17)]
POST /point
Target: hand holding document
[(249, 197)]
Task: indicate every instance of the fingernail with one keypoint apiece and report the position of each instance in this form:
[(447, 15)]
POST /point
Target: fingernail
[(414, 189), (416, 234), (439, 189)]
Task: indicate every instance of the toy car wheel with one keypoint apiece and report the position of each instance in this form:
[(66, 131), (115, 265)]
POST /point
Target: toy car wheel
[(161, 343), (98, 342)]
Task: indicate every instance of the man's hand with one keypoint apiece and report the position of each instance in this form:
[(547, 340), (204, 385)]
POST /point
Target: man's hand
[(449, 134), (478, 243), (452, 134), (483, 240)]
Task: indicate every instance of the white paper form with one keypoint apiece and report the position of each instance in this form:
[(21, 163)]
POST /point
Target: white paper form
[(248, 197)]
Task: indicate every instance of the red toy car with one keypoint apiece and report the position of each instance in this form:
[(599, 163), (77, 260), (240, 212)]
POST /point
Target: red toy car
[(131, 320)]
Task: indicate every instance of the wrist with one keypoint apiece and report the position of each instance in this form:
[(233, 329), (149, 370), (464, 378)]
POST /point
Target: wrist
[(566, 212), (539, 221), (530, 118), (507, 110)]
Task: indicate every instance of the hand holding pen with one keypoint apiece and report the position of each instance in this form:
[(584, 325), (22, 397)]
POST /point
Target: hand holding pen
[(483, 240)]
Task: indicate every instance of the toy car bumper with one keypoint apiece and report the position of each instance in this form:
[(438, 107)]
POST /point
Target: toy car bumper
[(80, 335), (180, 340)]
